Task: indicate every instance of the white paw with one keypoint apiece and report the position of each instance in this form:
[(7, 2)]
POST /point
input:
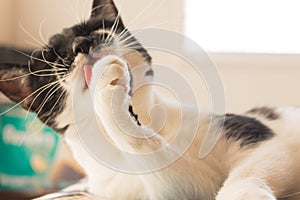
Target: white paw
[(110, 72), (249, 191), (249, 195), (110, 87)]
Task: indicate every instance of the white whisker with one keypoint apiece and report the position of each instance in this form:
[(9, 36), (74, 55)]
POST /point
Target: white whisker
[(42, 105), (35, 74), (32, 122), (47, 62), (58, 99), (114, 26), (59, 57), (76, 11), (33, 44), (83, 8), (97, 7), (120, 35), (45, 70), (40, 31), (38, 59), (30, 35), (43, 88), (48, 95), (103, 26), (124, 40), (113, 30), (22, 101)]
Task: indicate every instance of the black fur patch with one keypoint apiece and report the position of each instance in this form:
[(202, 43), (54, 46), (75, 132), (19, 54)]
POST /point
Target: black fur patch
[(266, 112), (150, 72), (135, 116), (246, 130)]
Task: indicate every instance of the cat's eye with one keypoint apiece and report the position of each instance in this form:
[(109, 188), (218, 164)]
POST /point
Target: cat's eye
[(81, 45)]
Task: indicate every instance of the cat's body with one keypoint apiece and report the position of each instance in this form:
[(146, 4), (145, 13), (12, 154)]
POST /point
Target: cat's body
[(259, 165), (256, 156)]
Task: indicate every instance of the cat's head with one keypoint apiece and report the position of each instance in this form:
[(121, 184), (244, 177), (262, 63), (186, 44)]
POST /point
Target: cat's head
[(46, 85)]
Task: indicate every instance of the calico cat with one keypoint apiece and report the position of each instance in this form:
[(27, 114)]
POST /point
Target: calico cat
[(256, 157)]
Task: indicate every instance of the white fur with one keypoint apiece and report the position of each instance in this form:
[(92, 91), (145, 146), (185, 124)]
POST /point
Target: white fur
[(267, 172)]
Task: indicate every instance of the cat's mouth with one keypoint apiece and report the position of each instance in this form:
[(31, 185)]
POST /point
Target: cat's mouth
[(89, 66), (88, 69)]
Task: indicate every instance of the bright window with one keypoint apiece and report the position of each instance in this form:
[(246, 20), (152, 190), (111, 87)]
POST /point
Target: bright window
[(253, 26)]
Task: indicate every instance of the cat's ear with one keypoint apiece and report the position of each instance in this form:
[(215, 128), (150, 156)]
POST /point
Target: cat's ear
[(105, 9), (14, 83)]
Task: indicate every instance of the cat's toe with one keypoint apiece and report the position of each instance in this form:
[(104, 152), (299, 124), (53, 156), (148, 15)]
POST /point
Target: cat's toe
[(119, 75)]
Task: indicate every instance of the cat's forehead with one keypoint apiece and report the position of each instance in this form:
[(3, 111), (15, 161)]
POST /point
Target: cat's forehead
[(95, 25)]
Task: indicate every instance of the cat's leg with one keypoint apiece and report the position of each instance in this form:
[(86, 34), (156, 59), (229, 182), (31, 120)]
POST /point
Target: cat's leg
[(110, 90), (110, 87), (245, 189)]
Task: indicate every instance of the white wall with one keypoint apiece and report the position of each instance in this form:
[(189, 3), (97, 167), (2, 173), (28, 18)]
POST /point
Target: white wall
[(259, 80), (7, 18), (51, 16)]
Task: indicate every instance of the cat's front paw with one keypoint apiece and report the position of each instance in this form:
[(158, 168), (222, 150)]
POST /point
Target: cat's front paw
[(115, 75), (245, 191), (110, 87), (111, 72), (249, 195)]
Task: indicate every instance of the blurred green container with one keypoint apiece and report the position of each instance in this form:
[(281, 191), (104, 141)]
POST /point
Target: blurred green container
[(27, 151)]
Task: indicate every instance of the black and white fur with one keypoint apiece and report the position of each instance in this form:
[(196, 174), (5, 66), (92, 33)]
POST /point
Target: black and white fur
[(256, 157)]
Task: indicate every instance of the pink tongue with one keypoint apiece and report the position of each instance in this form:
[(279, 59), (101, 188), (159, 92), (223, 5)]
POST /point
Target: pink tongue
[(87, 73)]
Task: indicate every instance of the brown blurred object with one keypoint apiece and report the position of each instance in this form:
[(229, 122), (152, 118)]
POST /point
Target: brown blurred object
[(12, 55), (10, 195)]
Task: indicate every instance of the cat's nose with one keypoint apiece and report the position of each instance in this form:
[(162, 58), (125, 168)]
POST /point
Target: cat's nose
[(81, 45)]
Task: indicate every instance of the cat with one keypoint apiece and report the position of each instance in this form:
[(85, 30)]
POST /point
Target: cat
[(255, 158)]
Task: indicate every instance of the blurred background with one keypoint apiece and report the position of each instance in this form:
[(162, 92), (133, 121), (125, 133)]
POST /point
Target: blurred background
[(255, 46)]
